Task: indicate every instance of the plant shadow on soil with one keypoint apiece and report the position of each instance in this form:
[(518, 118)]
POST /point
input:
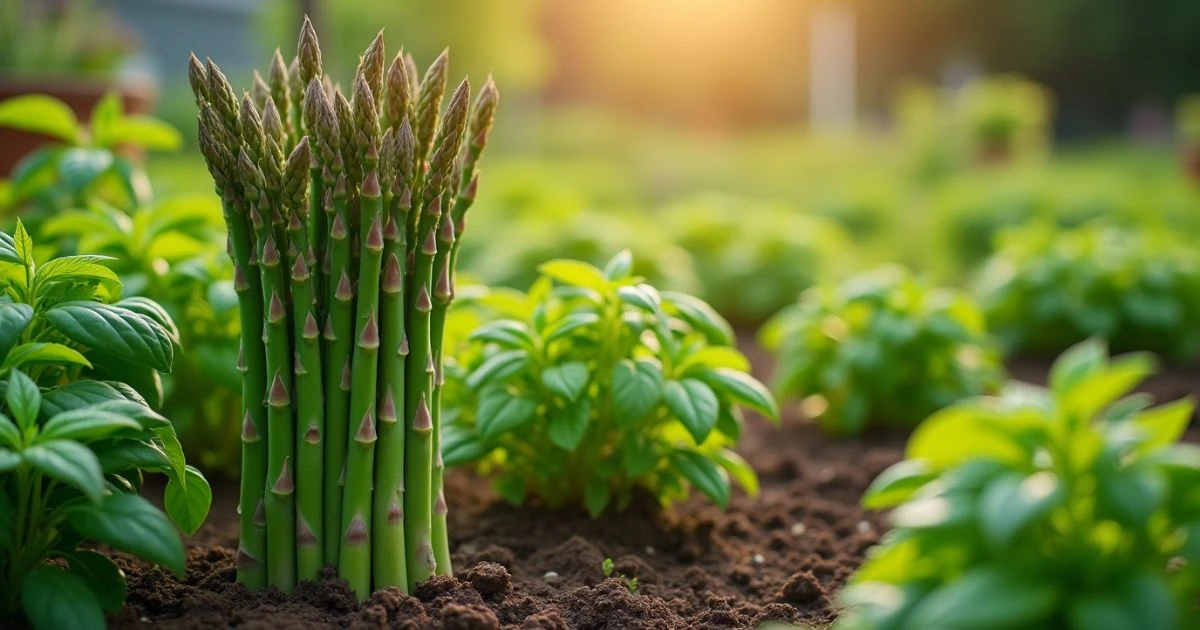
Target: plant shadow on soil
[(780, 556)]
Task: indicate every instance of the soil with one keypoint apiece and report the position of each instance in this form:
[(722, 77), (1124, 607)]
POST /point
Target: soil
[(781, 556)]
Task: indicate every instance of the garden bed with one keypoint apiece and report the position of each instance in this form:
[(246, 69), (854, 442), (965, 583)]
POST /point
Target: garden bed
[(782, 556)]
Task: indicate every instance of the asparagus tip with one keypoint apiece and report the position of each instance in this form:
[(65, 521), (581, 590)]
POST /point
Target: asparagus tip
[(279, 393), (422, 421), (387, 409), (366, 429), (305, 537), (312, 434)]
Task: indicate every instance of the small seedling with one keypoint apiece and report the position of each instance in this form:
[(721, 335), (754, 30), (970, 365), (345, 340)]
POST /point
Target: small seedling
[(608, 567)]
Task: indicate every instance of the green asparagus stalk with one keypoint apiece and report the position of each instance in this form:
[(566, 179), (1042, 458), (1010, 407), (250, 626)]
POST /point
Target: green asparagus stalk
[(309, 398), (421, 369), (339, 323), (388, 555), (344, 248), (482, 117), (354, 562), (280, 498), (214, 142), (315, 106)]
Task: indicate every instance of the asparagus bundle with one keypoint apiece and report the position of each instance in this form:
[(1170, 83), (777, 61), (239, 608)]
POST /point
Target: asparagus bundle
[(344, 218)]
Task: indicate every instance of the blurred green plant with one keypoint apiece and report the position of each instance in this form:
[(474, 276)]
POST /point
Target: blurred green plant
[(86, 163), (882, 349), (1003, 117), (1072, 507), (89, 196), (753, 258), (595, 384), (76, 436), (70, 38), (1046, 289)]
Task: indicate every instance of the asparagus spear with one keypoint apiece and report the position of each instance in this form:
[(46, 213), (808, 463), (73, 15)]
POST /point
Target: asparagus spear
[(279, 502), (388, 556), (215, 143), (354, 562), (315, 104), (310, 402), (481, 123), (420, 369)]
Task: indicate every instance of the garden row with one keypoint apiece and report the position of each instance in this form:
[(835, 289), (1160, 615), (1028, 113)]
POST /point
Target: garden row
[(355, 384)]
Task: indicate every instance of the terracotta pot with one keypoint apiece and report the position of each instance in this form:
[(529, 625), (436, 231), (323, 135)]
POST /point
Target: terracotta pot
[(79, 94), (1190, 158)]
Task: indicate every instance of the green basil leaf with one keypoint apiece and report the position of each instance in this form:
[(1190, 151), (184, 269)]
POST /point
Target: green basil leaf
[(1076, 364), (561, 328), (85, 424), (500, 412), (897, 484), (619, 266), (507, 333), (596, 495), (187, 503), (568, 380), (153, 310), (143, 382), (75, 268), (639, 455), (694, 404), (699, 315), (739, 470), (1129, 496), (641, 296), (511, 488), (987, 597), (80, 166), (1165, 424), (568, 425), (117, 331), (38, 113), (103, 577), (637, 387), (1011, 502), (130, 523), (744, 389), (69, 462), (53, 599), (10, 435), (576, 273), (23, 398), (23, 244), (713, 357), (9, 460), (83, 393), (14, 318), (120, 455), (174, 450), (498, 367), (704, 474), (461, 446), (44, 352)]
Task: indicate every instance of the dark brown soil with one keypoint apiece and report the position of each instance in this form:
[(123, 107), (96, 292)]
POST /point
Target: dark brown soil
[(780, 556)]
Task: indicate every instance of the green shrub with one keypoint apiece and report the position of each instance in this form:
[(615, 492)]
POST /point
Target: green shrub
[(882, 348), (76, 436), (84, 163), (595, 384), (1046, 289), (753, 258), (1069, 508)]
